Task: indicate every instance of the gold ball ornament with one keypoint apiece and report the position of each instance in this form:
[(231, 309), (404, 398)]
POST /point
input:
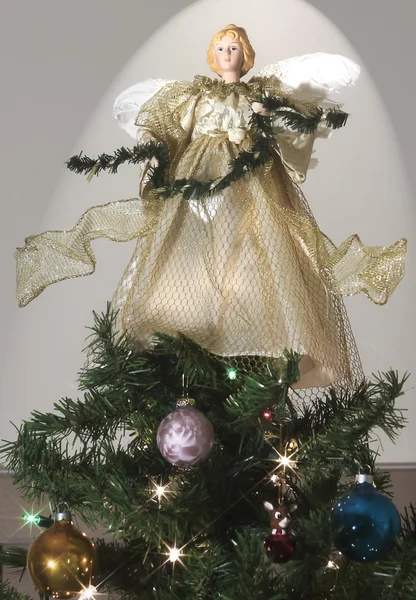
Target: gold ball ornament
[(62, 560)]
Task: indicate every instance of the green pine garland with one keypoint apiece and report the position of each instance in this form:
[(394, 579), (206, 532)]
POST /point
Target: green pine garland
[(292, 118), (246, 161)]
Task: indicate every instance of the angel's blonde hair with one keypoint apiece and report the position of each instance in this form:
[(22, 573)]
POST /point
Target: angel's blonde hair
[(235, 33)]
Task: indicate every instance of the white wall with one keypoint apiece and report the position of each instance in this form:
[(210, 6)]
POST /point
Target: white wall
[(58, 87)]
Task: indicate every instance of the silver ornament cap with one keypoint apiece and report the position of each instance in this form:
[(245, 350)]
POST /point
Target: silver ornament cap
[(364, 478), (63, 516)]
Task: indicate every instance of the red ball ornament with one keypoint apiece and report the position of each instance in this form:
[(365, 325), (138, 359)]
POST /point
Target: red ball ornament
[(279, 547)]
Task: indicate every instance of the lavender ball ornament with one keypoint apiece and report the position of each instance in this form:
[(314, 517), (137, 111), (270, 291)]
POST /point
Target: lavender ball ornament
[(185, 437)]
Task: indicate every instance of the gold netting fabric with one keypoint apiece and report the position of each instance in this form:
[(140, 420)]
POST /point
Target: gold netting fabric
[(246, 273)]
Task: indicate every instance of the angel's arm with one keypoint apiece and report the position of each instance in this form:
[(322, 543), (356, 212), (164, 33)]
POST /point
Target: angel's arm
[(258, 107), (128, 106), (152, 111)]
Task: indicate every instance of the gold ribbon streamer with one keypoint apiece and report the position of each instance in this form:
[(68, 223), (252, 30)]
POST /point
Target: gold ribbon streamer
[(54, 256)]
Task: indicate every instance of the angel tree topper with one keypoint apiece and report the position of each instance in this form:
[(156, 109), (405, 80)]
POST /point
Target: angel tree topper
[(241, 268)]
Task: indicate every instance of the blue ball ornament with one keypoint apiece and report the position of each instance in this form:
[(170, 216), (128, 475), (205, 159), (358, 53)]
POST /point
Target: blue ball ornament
[(365, 523)]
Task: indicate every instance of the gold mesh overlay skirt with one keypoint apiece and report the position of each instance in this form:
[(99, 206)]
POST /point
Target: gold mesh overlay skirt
[(246, 273)]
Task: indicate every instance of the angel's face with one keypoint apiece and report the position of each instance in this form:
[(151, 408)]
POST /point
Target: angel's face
[(229, 56)]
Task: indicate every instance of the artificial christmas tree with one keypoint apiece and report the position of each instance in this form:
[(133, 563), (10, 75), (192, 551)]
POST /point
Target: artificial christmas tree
[(245, 291), (199, 532)]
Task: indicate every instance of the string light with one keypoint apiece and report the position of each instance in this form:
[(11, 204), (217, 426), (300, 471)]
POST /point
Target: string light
[(174, 554), (159, 491), (332, 565), (36, 519), (232, 374), (283, 461), (31, 519), (286, 461), (88, 593)]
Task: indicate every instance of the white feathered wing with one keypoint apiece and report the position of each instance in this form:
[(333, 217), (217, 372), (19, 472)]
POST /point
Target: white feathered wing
[(313, 77), (129, 102)]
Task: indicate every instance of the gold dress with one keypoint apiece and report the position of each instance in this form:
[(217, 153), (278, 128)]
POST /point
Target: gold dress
[(246, 273)]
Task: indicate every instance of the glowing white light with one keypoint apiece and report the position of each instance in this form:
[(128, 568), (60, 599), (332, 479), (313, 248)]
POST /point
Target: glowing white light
[(174, 554), (332, 565), (274, 478), (286, 461), (88, 593), (160, 491)]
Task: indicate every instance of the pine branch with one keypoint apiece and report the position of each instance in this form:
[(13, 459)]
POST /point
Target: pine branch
[(303, 121), (342, 419), (82, 164), (336, 118), (13, 557), (409, 523), (8, 592)]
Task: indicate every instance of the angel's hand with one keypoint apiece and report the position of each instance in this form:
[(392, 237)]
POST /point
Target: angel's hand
[(258, 107), (154, 162)]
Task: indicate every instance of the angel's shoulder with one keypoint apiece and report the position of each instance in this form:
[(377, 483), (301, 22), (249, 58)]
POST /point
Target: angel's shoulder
[(173, 94)]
